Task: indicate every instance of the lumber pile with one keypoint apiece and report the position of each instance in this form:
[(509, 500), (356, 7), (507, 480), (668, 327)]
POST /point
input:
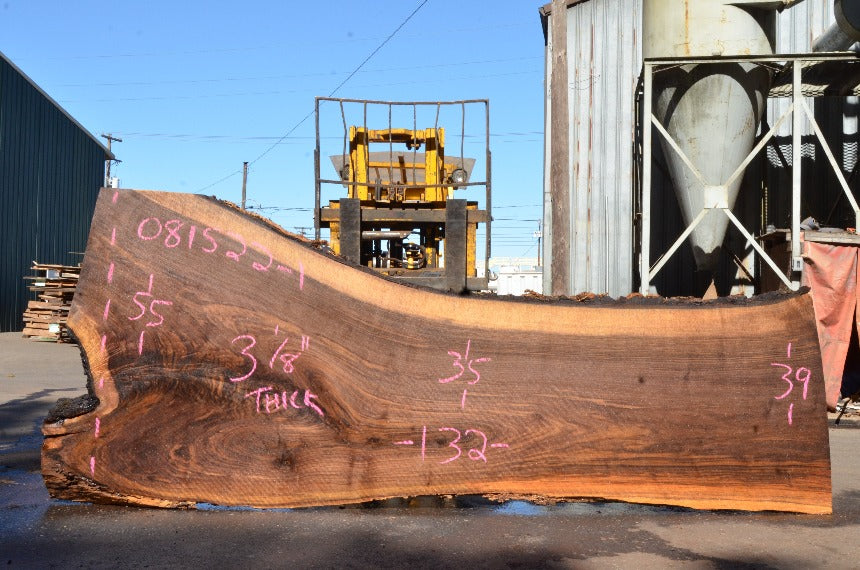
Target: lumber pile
[(45, 318), (231, 364)]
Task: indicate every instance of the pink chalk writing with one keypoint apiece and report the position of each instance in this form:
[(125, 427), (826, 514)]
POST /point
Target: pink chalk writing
[(475, 454), (212, 242), (280, 355), (268, 400), (476, 450), (173, 239), (157, 318), (246, 353), (235, 255), (149, 235), (103, 346), (191, 233), (459, 360), (286, 359), (293, 401), (801, 375), (115, 196), (262, 249), (152, 304), (309, 402), (172, 232), (453, 444)]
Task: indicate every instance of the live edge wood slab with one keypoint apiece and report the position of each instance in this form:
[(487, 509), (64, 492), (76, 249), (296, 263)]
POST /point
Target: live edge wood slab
[(231, 364)]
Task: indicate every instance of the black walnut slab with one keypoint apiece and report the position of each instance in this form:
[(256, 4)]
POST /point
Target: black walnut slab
[(235, 365)]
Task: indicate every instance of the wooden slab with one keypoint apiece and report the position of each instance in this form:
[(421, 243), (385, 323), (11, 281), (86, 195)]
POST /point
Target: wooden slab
[(237, 366)]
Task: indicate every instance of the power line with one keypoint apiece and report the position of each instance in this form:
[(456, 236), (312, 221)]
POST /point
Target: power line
[(335, 90), (262, 138)]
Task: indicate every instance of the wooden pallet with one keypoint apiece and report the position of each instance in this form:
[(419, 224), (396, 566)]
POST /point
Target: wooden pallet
[(235, 365), (55, 286)]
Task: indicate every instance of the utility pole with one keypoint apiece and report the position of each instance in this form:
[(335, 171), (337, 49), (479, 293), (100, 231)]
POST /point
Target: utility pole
[(302, 230), (559, 171), (110, 138), (244, 182)]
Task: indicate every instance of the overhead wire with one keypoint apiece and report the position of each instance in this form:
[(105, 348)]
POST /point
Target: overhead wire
[(333, 92), (261, 138)]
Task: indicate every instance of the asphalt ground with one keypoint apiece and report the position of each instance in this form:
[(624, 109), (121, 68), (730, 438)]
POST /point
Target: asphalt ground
[(39, 532)]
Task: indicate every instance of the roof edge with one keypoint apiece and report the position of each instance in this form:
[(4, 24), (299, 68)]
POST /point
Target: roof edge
[(108, 154), (546, 10)]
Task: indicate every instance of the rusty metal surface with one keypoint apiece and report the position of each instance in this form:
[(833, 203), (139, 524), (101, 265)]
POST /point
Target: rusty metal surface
[(604, 58)]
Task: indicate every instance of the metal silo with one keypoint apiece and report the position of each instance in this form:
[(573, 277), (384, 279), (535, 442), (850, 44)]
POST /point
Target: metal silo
[(711, 111)]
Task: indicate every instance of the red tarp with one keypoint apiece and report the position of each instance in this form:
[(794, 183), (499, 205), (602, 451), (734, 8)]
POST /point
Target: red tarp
[(832, 274)]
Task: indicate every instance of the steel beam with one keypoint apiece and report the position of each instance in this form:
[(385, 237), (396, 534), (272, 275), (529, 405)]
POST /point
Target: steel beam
[(645, 221)]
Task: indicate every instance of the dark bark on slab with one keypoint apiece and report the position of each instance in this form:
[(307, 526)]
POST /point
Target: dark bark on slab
[(235, 365)]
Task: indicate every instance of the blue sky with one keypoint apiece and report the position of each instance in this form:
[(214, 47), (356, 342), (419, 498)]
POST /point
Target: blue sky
[(194, 88)]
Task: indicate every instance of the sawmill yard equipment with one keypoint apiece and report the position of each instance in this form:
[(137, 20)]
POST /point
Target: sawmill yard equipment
[(401, 216)]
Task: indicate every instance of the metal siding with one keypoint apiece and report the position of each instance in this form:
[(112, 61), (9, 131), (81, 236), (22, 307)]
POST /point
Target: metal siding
[(604, 60), (797, 28), (50, 173)]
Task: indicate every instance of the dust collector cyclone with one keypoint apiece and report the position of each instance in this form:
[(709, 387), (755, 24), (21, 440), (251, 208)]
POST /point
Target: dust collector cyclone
[(712, 111)]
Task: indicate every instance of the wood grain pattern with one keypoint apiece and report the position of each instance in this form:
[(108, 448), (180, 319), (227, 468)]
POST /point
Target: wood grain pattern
[(236, 366)]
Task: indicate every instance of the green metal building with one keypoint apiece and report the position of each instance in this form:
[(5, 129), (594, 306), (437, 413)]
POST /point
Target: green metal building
[(51, 169)]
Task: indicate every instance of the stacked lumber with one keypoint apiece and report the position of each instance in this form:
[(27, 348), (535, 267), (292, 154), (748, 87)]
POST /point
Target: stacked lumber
[(231, 364), (45, 317)]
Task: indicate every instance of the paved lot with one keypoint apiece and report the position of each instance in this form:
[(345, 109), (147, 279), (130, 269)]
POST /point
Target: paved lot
[(36, 531)]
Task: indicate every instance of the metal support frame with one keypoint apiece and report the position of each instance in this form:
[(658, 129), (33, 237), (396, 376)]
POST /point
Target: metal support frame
[(320, 182), (715, 195)]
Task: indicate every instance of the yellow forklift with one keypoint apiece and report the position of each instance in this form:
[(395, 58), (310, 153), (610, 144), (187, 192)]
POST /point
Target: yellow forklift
[(400, 216)]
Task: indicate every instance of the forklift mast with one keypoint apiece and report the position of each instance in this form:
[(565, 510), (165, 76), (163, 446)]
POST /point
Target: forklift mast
[(400, 216)]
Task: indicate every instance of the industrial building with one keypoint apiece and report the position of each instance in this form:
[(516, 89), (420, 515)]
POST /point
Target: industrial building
[(604, 230), (51, 169)]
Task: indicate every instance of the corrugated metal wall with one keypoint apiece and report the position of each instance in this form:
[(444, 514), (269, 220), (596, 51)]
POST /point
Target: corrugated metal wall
[(50, 172), (604, 64), (604, 60), (822, 196)]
